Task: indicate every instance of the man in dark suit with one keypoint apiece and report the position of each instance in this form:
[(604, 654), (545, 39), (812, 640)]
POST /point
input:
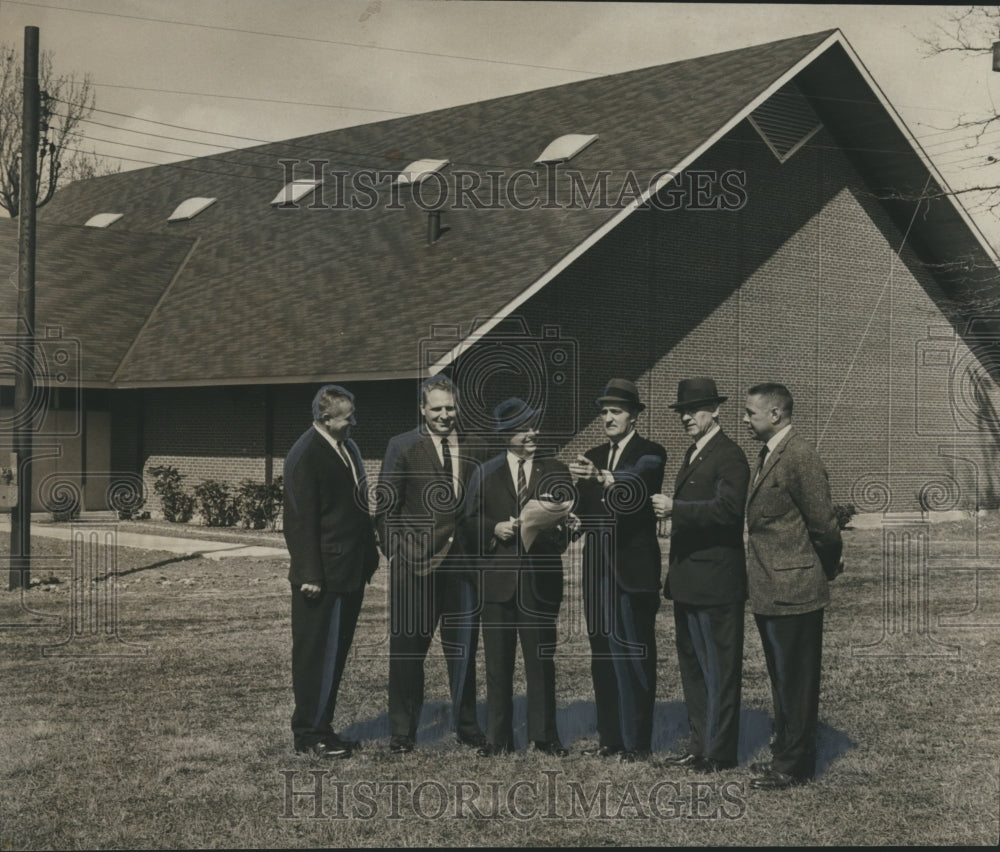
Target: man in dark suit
[(621, 572), (331, 540), (521, 584), (424, 478), (794, 549), (706, 577)]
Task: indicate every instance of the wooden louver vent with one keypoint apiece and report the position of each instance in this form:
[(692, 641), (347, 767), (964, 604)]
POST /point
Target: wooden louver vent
[(785, 122)]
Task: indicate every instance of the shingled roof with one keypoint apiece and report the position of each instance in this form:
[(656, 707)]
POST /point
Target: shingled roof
[(246, 292)]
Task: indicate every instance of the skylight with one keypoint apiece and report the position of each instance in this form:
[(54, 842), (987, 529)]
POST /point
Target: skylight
[(419, 170), (190, 208), (102, 220), (294, 191), (565, 147)]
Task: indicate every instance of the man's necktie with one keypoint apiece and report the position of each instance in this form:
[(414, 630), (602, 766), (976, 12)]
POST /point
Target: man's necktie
[(611, 456), (448, 469), (346, 456), (689, 455), (522, 486), (761, 458)]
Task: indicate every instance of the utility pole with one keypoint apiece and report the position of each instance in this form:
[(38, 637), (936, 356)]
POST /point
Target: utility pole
[(20, 519)]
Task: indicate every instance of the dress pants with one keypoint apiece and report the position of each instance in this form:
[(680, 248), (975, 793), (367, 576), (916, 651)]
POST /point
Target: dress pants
[(521, 617), (621, 629), (322, 632), (793, 648), (710, 659), (418, 603)]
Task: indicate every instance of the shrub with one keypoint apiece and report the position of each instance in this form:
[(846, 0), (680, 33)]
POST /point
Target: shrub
[(844, 513), (178, 505), (218, 508), (258, 503)]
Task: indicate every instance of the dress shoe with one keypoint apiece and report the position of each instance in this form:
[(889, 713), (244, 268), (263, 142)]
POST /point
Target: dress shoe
[(553, 748), (685, 759), (490, 750), (633, 755), (760, 767), (338, 741), (708, 764), (477, 740), (775, 780), (323, 749), (400, 745), (602, 751)]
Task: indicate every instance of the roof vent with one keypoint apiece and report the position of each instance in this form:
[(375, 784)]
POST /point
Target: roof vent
[(190, 208), (419, 170), (102, 220), (565, 147), (294, 191), (785, 122)]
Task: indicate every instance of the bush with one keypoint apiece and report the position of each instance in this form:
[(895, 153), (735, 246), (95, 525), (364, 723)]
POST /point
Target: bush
[(218, 508), (844, 513), (178, 506), (258, 503)]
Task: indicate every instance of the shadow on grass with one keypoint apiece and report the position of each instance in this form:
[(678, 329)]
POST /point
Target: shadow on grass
[(185, 558), (577, 725)]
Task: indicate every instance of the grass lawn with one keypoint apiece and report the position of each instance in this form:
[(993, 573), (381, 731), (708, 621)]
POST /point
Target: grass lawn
[(168, 727)]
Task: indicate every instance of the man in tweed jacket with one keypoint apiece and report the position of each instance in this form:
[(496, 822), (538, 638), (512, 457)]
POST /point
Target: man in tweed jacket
[(794, 548)]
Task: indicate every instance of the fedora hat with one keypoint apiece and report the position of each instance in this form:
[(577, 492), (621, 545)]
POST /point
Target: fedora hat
[(694, 392), (512, 414), (621, 391)]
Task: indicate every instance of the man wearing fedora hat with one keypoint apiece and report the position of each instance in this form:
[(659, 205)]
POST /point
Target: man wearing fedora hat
[(621, 572), (706, 577), (521, 582)]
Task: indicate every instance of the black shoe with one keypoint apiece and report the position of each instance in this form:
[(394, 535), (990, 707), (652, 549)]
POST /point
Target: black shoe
[(708, 765), (553, 748), (339, 742), (775, 780), (602, 751), (760, 767), (324, 749), (685, 759), (400, 745), (490, 750), (477, 740), (633, 755)]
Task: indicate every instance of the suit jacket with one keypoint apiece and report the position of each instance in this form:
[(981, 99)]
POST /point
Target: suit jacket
[(794, 538), (707, 565), (327, 526), (625, 507), (417, 522), (493, 498)]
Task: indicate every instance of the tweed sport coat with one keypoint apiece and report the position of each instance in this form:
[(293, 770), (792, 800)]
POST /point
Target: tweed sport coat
[(707, 565), (327, 527), (794, 540)]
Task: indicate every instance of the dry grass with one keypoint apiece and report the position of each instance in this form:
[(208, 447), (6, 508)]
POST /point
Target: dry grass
[(187, 743)]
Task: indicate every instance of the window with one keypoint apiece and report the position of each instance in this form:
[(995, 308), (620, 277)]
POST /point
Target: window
[(102, 220), (294, 191), (419, 170), (190, 208), (565, 147)]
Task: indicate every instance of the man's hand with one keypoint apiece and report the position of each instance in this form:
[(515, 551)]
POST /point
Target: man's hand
[(584, 468), (663, 505), (311, 590), (506, 530)]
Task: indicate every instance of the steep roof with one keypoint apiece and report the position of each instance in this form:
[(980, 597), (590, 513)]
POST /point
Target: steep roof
[(279, 295)]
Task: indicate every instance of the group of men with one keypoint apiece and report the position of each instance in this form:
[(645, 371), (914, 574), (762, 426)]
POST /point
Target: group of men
[(475, 541)]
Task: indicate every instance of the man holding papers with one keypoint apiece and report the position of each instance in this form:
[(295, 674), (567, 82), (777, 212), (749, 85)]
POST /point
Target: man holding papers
[(518, 504)]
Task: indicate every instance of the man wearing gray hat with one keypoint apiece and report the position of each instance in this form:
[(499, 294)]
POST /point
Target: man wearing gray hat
[(621, 572), (706, 577), (521, 576)]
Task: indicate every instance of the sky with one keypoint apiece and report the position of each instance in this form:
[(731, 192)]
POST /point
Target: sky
[(177, 79)]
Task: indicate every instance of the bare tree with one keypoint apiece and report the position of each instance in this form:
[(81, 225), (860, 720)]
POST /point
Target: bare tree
[(65, 103)]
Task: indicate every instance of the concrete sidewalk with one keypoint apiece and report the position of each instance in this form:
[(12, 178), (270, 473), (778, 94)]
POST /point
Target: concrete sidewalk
[(171, 544)]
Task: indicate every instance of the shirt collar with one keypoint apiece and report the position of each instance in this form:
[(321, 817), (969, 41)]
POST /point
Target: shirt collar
[(777, 438), (699, 445)]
